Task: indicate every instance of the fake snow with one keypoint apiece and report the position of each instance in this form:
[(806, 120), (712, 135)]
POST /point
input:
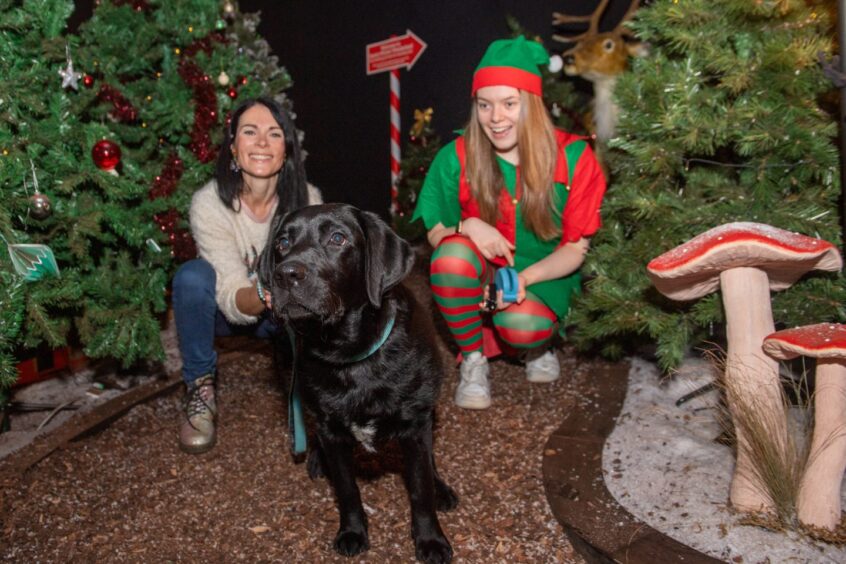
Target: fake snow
[(662, 464)]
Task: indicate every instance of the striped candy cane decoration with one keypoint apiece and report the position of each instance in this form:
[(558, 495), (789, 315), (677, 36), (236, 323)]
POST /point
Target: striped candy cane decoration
[(395, 137)]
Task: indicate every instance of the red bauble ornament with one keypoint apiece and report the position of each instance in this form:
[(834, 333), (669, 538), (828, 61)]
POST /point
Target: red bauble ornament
[(232, 93), (106, 155), (88, 81)]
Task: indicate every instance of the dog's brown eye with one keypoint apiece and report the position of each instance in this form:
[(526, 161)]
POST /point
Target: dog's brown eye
[(337, 238)]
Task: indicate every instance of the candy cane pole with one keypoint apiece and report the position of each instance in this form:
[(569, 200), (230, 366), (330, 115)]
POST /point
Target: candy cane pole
[(395, 137)]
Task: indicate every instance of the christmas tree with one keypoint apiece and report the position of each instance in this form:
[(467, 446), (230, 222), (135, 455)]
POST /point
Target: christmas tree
[(104, 136), (725, 121), (422, 146)]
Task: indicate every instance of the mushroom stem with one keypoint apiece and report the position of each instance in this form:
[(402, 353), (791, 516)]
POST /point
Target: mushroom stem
[(752, 381), (819, 494)]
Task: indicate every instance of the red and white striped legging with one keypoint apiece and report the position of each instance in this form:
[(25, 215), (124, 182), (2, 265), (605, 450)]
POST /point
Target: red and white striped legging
[(459, 274)]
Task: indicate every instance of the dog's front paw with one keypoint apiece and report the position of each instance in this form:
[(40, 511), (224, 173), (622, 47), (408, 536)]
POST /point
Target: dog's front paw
[(445, 497), (433, 550), (350, 543)]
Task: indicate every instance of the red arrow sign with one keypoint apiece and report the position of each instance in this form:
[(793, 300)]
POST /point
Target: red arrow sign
[(394, 53)]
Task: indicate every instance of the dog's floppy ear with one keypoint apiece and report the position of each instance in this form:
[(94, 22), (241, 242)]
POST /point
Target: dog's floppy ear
[(388, 258), (266, 260)]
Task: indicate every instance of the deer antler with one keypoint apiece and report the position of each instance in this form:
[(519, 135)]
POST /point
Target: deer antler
[(599, 58), (559, 18), (626, 17)]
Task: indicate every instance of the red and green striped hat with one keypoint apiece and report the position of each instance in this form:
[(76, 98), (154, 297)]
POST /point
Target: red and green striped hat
[(512, 62)]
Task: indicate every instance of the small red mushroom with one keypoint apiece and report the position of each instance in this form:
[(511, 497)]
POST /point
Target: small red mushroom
[(745, 261), (819, 493)]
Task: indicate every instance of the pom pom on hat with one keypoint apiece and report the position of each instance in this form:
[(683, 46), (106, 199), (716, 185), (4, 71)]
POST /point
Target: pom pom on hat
[(512, 62), (556, 63)]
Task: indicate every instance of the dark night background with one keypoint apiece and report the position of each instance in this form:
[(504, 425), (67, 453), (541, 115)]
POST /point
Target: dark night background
[(344, 112)]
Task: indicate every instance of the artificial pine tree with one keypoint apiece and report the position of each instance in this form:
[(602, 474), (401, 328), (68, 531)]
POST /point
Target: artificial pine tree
[(421, 148), (117, 126), (723, 122)]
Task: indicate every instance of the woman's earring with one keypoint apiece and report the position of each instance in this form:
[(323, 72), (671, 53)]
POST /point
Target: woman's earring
[(233, 166)]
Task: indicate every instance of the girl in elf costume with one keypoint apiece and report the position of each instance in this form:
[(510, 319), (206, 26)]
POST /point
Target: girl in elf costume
[(510, 191)]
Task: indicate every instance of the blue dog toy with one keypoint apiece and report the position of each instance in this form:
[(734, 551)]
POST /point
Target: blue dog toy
[(506, 280)]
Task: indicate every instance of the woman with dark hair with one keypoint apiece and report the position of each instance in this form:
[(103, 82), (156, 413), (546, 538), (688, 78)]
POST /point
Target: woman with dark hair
[(259, 172), (512, 191)]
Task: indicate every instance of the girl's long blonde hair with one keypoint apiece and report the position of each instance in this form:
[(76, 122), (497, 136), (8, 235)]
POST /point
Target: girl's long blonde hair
[(537, 150)]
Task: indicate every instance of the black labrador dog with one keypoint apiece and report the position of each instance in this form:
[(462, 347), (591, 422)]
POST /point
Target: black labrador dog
[(368, 371)]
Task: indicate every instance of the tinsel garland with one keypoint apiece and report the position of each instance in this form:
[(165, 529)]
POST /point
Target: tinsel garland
[(181, 243), (165, 183), (123, 110), (205, 117), (205, 100)]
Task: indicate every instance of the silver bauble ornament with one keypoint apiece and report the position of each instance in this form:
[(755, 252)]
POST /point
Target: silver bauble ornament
[(40, 206)]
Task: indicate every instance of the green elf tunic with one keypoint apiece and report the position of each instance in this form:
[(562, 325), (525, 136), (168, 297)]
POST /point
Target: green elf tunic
[(579, 187)]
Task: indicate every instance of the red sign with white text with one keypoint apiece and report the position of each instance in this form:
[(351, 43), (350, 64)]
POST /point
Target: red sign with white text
[(394, 53)]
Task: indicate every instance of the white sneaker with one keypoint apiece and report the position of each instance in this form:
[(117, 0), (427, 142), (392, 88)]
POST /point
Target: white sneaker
[(474, 391), (543, 369)]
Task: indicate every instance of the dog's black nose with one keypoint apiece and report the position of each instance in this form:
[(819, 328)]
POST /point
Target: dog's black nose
[(293, 272), (569, 59)]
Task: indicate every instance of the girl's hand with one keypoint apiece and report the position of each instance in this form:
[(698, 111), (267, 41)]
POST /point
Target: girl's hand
[(488, 239), (521, 288), (486, 304)]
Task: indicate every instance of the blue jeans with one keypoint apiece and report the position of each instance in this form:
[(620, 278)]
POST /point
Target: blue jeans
[(199, 321)]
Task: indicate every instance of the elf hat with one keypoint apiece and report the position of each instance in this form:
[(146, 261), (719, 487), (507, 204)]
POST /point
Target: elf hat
[(512, 62)]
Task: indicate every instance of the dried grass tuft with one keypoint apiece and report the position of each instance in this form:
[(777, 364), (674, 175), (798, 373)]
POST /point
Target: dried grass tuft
[(836, 537), (776, 467)]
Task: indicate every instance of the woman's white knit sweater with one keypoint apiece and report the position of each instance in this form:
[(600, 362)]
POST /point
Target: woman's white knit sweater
[(228, 240)]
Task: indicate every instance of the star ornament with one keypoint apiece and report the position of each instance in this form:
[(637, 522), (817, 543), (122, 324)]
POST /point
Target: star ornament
[(69, 76)]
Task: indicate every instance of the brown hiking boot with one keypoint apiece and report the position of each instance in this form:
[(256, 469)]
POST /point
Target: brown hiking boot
[(197, 431)]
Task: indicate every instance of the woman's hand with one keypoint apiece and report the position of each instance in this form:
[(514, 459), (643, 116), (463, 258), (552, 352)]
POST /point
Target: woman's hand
[(488, 240), (248, 302), (263, 295)]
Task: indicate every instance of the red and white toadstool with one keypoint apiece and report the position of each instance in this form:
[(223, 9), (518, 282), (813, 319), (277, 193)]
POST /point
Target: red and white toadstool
[(745, 261), (819, 493)]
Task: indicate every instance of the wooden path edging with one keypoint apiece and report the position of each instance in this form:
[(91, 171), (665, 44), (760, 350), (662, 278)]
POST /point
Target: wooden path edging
[(599, 527)]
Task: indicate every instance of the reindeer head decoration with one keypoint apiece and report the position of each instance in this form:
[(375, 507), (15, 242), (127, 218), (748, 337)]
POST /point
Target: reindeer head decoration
[(599, 58)]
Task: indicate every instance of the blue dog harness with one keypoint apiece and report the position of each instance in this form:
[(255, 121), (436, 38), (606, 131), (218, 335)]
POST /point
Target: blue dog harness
[(296, 423)]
